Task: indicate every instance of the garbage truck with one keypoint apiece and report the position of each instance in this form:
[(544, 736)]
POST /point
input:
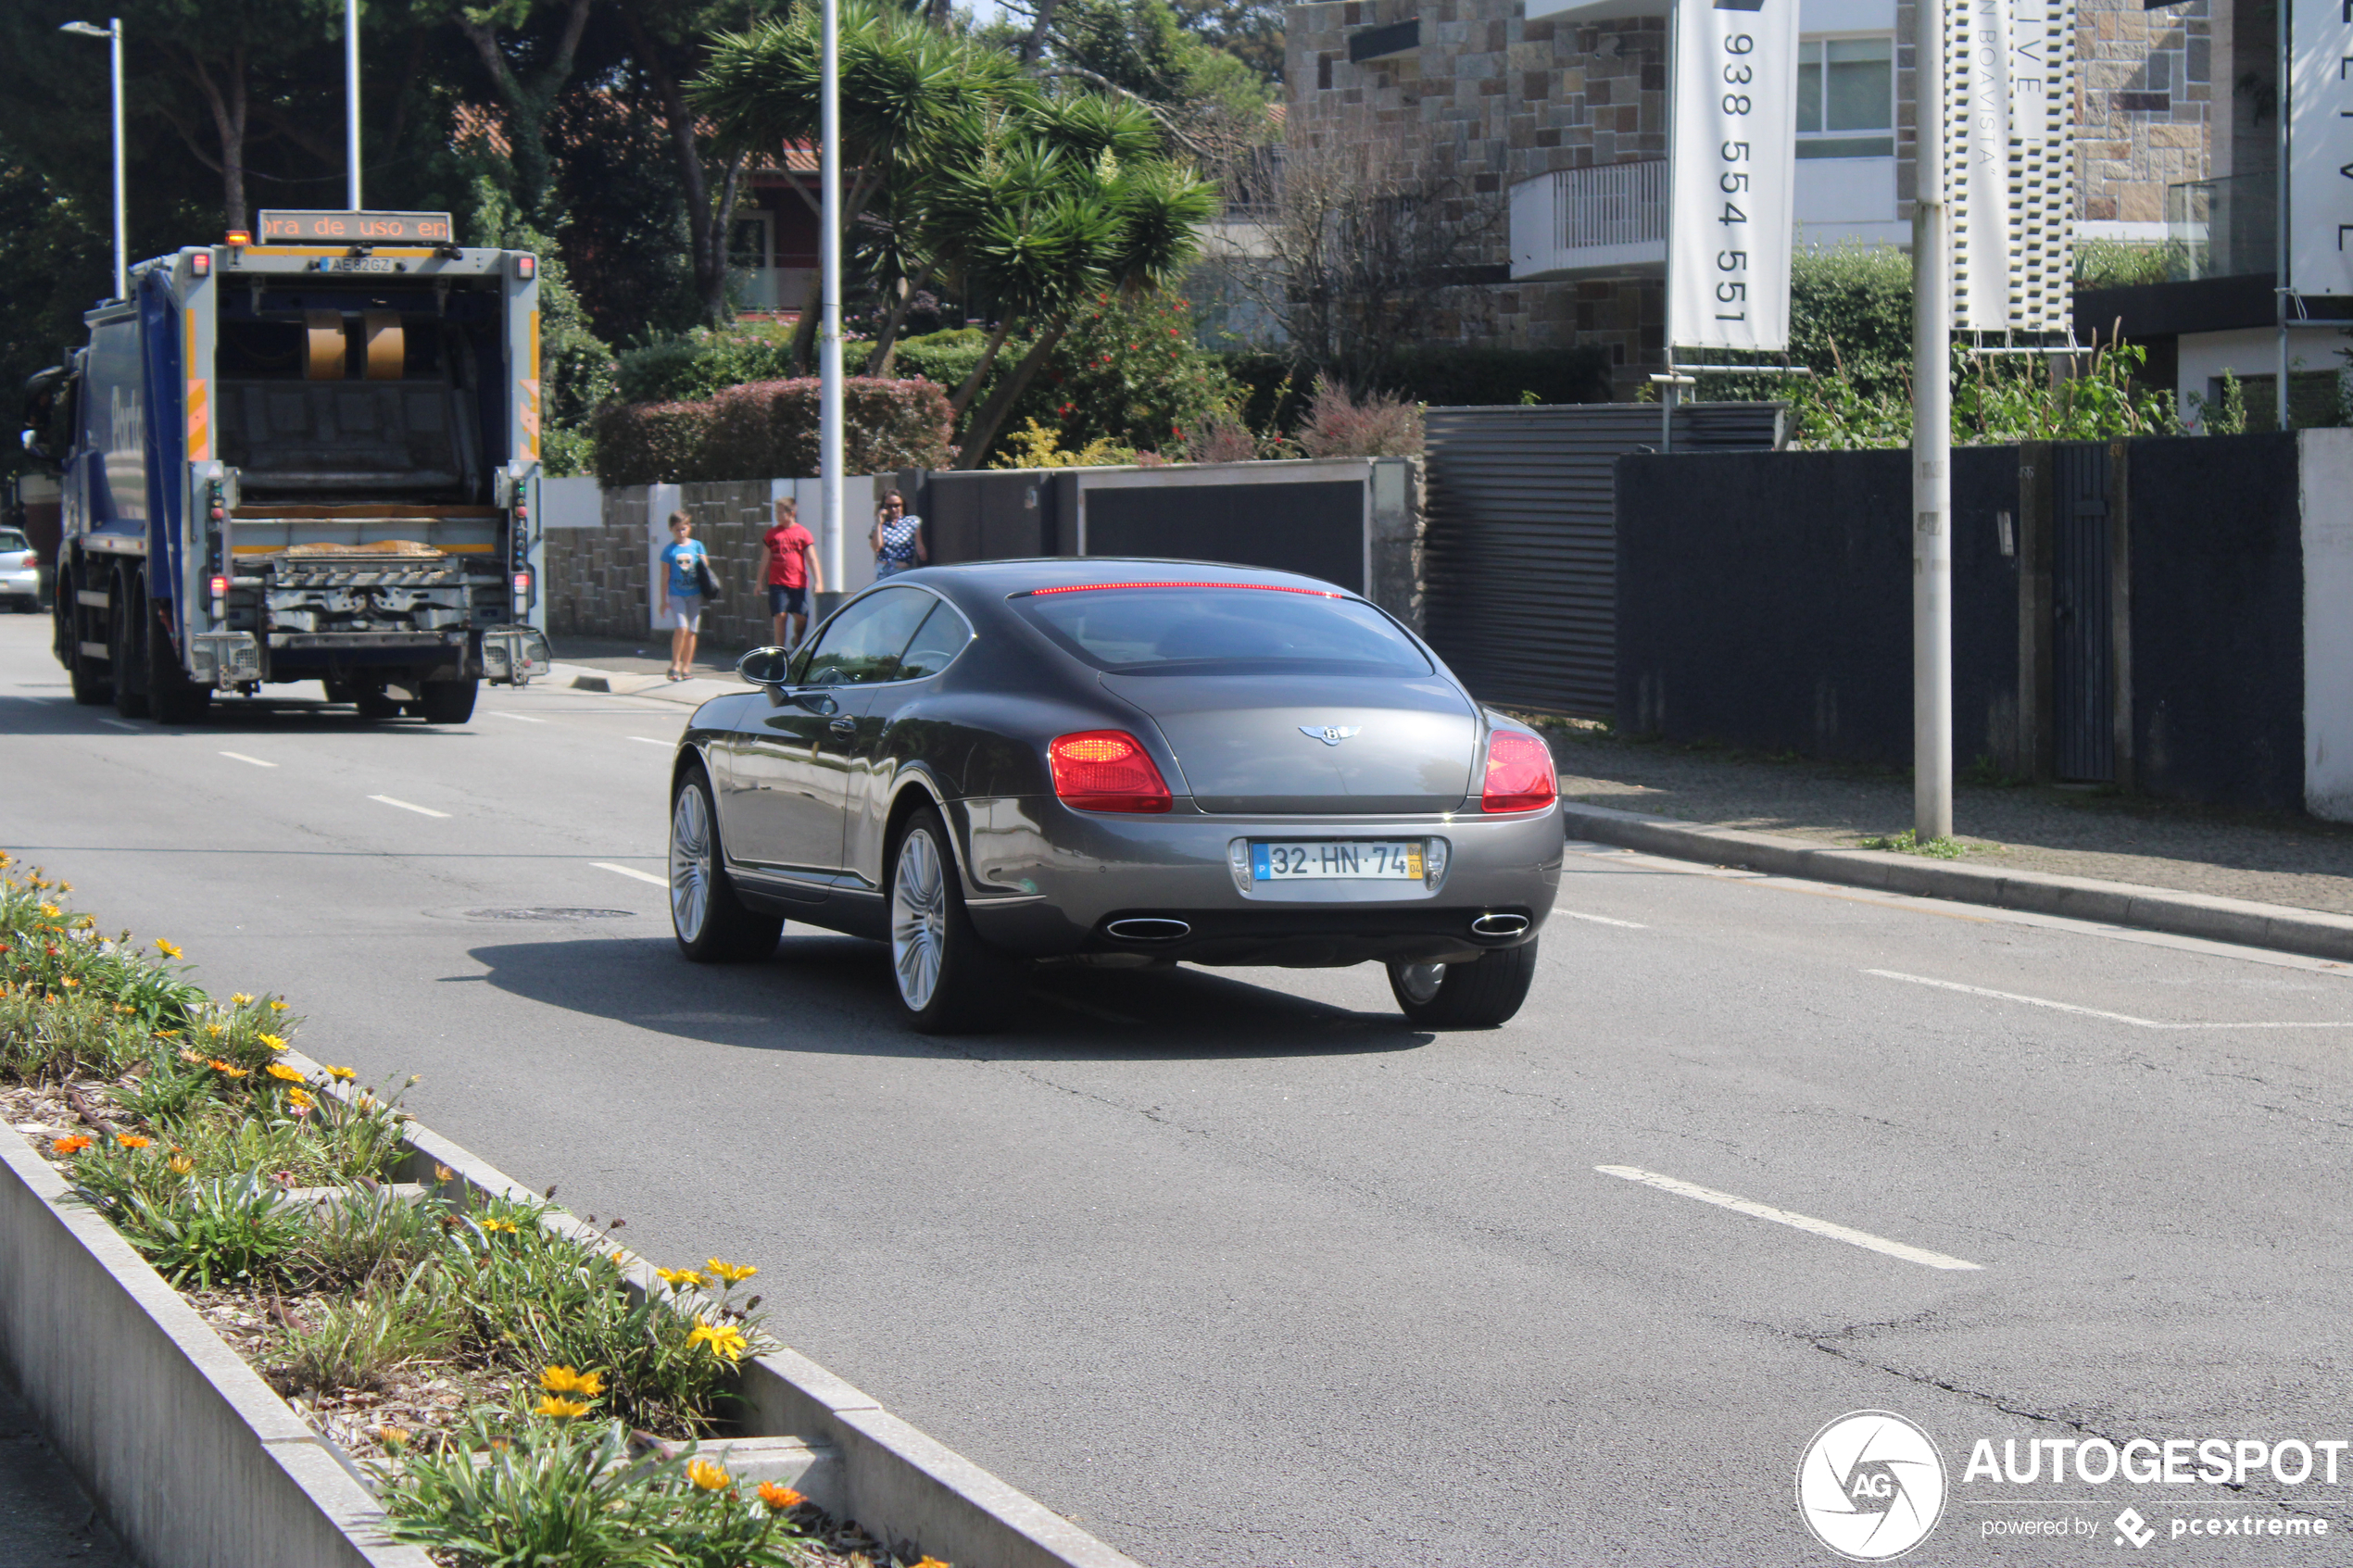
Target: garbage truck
[(305, 454)]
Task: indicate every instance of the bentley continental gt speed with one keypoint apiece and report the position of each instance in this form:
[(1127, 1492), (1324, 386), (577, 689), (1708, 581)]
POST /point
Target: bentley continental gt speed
[(1120, 763)]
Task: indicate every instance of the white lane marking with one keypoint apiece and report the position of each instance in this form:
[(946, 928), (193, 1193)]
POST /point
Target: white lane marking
[(518, 717), (649, 740), (2083, 1011), (1635, 861), (1602, 920), (405, 806), (120, 724), (241, 757), (1783, 1217), (627, 871)]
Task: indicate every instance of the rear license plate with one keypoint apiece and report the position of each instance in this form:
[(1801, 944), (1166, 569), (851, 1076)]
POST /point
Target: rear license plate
[(1353, 861)]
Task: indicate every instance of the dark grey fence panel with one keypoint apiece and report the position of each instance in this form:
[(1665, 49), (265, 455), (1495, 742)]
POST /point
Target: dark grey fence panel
[(1520, 553), (2083, 640)]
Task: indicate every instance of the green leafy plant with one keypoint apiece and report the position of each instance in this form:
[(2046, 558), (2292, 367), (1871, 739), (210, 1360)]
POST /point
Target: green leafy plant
[(211, 1232), (1908, 842), (356, 1343)]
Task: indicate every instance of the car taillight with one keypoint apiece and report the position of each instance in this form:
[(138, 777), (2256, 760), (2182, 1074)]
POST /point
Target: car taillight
[(1519, 773), (1106, 770)]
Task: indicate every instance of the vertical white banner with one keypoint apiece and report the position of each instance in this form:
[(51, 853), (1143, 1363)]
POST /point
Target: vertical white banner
[(2010, 164), (1734, 154), (2319, 132)]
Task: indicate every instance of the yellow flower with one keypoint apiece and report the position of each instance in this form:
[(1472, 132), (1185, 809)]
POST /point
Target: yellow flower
[(780, 1499), (563, 1380), (214, 1030), (680, 1277), (69, 983), (280, 1070), (239, 1000), (494, 1225), (181, 1164), (933, 1563), (443, 1173), (65, 887), (566, 1409), (734, 1274), (168, 949), (341, 1074), (726, 1341), (49, 912), (277, 1005), (300, 1099), (272, 1041), (707, 1475)]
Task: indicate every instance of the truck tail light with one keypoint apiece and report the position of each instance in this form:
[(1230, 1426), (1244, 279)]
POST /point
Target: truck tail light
[(201, 264), (220, 587), (1106, 770), (1519, 773), (526, 267)]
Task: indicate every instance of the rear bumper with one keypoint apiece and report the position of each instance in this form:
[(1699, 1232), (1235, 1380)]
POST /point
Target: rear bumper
[(22, 585), (1045, 882)]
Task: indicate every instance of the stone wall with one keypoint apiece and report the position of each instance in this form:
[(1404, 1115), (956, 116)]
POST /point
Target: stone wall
[(598, 578), (2143, 96)]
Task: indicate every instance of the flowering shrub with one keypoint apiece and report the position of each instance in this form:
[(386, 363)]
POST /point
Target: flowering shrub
[(1379, 425), (1132, 373), (766, 429), (1036, 447)]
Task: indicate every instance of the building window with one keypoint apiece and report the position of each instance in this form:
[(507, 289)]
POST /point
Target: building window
[(747, 241), (1846, 97)]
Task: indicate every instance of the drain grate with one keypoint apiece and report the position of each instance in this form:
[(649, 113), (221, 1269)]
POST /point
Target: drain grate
[(545, 911)]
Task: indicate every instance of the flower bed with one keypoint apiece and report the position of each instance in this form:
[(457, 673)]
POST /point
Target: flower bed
[(514, 1397)]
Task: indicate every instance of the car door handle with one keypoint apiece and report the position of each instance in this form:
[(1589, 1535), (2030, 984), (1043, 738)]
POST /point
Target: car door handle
[(844, 726)]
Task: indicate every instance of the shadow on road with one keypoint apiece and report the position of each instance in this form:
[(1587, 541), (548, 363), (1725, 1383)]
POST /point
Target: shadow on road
[(831, 995), (41, 712)]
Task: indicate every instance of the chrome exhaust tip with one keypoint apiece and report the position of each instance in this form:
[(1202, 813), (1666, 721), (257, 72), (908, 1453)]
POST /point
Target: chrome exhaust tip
[(1499, 925), (1150, 928)]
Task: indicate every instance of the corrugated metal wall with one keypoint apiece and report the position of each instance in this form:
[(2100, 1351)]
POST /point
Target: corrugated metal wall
[(1520, 553)]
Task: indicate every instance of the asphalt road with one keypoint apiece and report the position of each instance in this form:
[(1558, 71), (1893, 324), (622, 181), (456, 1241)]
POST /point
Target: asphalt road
[(1234, 1267)]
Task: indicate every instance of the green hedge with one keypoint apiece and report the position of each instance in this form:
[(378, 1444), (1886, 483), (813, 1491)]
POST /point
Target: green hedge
[(1444, 376), (769, 429)]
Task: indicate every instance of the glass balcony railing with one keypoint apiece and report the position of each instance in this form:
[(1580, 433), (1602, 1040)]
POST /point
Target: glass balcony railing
[(2225, 228)]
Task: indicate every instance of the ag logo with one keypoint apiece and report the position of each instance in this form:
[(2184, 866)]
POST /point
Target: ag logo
[(1870, 1486)]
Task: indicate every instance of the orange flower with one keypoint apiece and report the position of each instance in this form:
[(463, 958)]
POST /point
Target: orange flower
[(73, 1145), (779, 1500), (131, 1140)]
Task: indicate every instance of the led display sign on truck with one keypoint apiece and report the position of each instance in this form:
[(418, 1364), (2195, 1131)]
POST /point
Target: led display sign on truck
[(356, 228)]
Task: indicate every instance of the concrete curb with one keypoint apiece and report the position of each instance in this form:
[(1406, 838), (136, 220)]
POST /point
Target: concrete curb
[(2276, 927), (618, 683), (196, 1462)]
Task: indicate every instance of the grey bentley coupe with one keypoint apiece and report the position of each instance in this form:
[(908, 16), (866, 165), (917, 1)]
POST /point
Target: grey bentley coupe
[(1117, 762)]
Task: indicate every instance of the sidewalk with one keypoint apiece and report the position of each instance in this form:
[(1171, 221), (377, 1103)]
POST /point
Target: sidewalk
[(2069, 833), (45, 1521), (628, 667)]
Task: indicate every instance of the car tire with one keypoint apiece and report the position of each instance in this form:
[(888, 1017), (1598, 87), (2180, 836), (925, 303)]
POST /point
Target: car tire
[(712, 923), (447, 702), (948, 980), (1465, 996)]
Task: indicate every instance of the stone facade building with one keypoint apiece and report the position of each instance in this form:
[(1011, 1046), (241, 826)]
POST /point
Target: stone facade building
[(1482, 98)]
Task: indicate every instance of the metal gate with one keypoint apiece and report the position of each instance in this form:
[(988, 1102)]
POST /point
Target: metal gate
[(1520, 552), (2083, 650)]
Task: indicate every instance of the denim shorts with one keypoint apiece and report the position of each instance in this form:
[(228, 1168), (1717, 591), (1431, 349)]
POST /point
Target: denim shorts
[(787, 601)]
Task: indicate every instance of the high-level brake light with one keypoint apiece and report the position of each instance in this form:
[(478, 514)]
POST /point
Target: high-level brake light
[(1110, 587), (1519, 773), (1106, 770)]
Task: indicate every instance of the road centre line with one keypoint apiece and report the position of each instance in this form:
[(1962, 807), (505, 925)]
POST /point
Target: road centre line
[(121, 725), (518, 717), (626, 871), (1602, 920), (241, 757), (407, 806), (649, 740), (2084, 1012), (1783, 1217)]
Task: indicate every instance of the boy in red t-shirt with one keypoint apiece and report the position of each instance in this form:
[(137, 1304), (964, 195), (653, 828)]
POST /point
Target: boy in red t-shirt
[(793, 573)]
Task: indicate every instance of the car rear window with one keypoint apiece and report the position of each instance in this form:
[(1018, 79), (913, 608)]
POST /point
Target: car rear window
[(1213, 629), (12, 540)]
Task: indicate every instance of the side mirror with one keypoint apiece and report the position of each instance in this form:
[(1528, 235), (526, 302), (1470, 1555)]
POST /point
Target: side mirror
[(763, 667), (33, 446)]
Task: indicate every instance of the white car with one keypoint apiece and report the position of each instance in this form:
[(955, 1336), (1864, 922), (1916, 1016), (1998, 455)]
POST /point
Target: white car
[(19, 573)]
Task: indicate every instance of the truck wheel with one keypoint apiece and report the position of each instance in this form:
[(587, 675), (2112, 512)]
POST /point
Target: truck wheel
[(91, 686), (130, 660), (447, 702), (712, 923), (1465, 995)]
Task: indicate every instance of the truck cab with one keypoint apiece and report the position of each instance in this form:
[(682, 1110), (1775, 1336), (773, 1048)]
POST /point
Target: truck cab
[(310, 458)]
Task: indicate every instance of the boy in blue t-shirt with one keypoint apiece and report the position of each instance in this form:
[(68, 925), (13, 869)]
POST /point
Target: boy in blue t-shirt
[(682, 592)]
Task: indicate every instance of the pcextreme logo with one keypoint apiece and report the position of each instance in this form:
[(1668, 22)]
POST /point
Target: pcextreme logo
[(1870, 1486)]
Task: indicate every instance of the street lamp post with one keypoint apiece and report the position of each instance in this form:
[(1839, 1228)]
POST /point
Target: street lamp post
[(829, 321), (1931, 441), (112, 32), (351, 95)]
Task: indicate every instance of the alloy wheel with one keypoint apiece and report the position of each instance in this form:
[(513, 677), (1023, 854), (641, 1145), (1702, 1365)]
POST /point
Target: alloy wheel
[(689, 863), (918, 920)]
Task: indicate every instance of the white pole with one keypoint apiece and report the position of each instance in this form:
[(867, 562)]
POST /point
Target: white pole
[(1932, 444), (351, 95), (2279, 269), (829, 323), (122, 227)]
